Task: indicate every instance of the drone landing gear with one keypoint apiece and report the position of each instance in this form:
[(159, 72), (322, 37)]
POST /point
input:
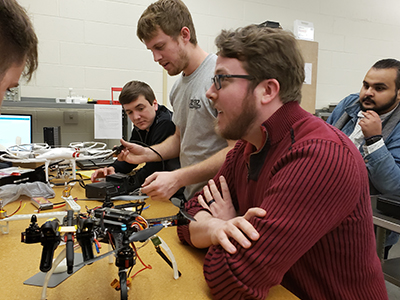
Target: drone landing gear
[(125, 260), (158, 243), (123, 284)]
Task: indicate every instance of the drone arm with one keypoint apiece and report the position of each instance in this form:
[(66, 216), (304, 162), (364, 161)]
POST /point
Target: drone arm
[(46, 163), (74, 168)]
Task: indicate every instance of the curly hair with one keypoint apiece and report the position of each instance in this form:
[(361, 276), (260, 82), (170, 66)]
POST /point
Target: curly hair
[(266, 53)]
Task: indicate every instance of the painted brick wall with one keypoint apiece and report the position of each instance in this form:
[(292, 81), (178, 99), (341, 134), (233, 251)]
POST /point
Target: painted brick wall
[(91, 45)]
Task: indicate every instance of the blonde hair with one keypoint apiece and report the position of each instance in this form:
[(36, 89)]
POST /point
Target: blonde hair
[(168, 15)]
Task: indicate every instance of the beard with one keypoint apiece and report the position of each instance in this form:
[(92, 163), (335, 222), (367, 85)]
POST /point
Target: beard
[(240, 124), (379, 109), (181, 63)]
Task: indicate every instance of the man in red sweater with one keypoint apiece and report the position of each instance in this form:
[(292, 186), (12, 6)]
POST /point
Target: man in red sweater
[(291, 204)]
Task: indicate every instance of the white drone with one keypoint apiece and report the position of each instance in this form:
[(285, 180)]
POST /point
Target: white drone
[(42, 152)]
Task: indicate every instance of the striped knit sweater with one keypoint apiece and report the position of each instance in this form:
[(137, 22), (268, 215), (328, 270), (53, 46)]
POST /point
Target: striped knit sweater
[(317, 238)]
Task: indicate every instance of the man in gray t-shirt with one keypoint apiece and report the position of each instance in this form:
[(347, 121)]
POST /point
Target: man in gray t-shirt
[(201, 151), (195, 116)]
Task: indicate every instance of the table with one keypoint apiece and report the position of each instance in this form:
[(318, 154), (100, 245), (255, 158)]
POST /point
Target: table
[(20, 261), (390, 267)]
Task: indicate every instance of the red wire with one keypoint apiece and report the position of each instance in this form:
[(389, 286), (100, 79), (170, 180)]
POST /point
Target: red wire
[(20, 204), (97, 243), (55, 207), (145, 266), (110, 239)]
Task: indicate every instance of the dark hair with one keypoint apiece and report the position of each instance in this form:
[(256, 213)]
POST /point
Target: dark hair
[(168, 15), (389, 63), (266, 53), (18, 41), (133, 89)]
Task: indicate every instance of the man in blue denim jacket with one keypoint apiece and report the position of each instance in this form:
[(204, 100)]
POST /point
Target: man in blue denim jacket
[(371, 119)]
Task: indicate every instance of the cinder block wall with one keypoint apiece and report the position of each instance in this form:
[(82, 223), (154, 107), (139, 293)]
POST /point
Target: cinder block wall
[(91, 45)]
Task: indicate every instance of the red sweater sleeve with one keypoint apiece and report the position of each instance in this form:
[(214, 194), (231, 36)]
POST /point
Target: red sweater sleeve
[(312, 198), (193, 207)]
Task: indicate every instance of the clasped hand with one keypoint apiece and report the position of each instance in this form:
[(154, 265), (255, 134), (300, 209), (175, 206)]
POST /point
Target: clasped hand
[(224, 224)]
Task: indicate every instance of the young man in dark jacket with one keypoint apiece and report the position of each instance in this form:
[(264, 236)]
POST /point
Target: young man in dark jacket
[(152, 125)]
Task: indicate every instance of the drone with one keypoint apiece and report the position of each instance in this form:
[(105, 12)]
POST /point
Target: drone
[(112, 225), (43, 153)]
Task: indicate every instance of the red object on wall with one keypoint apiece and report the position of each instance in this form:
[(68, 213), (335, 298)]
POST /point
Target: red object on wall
[(115, 89)]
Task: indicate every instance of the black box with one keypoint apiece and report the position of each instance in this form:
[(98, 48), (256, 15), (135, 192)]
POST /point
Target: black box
[(101, 190), (52, 136), (16, 175), (389, 205), (115, 184)]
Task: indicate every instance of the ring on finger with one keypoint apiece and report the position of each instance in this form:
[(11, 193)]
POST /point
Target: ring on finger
[(210, 202)]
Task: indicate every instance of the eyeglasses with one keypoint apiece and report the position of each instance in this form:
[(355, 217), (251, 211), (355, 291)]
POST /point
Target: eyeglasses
[(217, 79)]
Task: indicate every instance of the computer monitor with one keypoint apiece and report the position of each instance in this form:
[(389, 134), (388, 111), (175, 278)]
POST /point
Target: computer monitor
[(15, 129)]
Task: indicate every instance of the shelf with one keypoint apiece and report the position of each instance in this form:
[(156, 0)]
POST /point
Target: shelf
[(44, 103), (390, 267), (391, 270)]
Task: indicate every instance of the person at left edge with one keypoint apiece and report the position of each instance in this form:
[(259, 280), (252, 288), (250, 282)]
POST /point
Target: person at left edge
[(152, 125), (18, 46)]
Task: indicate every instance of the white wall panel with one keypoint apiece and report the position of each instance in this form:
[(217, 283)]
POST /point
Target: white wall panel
[(91, 45)]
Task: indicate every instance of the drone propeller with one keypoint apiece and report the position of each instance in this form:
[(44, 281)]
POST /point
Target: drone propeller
[(129, 197), (144, 234), (88, 145), (181, 204)]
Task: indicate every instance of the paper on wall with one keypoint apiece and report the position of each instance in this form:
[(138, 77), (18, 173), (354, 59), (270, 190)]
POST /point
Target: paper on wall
[(107, 121), (308, 73)]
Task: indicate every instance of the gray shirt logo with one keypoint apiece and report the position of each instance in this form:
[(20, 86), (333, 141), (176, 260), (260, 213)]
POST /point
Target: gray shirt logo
[(194, 104)]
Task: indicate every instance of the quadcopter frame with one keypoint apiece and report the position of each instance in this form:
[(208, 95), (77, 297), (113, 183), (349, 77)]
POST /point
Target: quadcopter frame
[(43, 153), (113, 225)]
